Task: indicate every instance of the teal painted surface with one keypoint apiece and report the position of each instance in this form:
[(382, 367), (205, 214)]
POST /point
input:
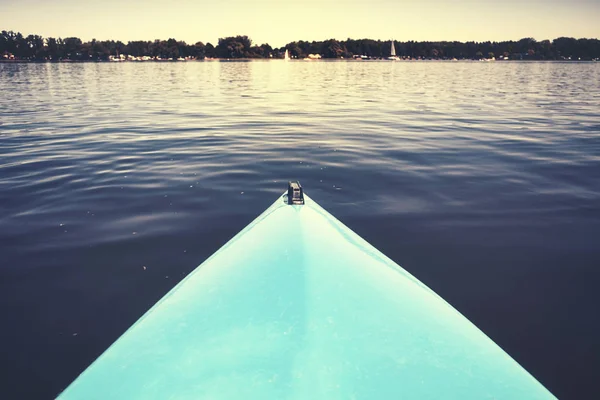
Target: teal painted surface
[(297, 306)]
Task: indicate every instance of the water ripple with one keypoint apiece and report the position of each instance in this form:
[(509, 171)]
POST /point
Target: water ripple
[(465, 173)]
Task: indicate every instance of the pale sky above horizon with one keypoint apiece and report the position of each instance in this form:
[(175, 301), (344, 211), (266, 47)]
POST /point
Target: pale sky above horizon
[(280, 22)]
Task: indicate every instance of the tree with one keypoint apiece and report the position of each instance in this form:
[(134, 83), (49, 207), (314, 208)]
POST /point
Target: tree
[(72, 47), (267, 50), (209, 50), (198, 51), (34, 47), (295, 50), (334, 49), (234, 47)]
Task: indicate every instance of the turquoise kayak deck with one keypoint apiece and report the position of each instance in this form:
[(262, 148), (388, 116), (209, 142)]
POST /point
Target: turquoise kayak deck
[(297, 306)]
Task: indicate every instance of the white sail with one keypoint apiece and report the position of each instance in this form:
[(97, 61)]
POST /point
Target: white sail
[(287, 54), (393, 54)]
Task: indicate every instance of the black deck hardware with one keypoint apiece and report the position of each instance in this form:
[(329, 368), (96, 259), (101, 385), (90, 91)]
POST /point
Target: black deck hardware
[(295, 193)]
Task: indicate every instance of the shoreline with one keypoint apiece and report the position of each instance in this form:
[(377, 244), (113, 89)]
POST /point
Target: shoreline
[(4, 61)]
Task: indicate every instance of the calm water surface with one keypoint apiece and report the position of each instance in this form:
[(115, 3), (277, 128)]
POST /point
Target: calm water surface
[(482, 179)]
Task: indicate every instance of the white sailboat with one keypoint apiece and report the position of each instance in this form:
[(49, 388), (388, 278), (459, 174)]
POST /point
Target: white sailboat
[(287, 55), (393, 56)]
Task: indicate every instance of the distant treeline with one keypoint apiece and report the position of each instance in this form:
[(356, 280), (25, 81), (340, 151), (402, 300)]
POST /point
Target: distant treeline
[(13, 45), (528, 48)]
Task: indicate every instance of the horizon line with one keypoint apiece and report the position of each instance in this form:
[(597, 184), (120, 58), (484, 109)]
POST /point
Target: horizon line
[(303, 40)]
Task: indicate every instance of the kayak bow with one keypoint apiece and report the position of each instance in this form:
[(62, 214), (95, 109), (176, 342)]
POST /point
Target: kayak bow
[(298, 306)]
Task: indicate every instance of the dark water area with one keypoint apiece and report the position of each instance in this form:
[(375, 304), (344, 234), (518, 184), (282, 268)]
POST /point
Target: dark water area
[(117, 180)]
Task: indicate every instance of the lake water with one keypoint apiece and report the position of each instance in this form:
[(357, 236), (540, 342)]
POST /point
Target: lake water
[(117, 180)]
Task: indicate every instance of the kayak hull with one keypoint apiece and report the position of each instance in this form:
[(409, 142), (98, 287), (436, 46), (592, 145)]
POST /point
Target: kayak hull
[(298, 306)]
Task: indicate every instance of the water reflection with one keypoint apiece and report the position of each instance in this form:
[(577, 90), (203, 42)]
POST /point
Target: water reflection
[(481, 179)]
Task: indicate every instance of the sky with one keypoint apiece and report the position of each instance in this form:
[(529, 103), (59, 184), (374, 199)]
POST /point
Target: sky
[(278, 22)]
